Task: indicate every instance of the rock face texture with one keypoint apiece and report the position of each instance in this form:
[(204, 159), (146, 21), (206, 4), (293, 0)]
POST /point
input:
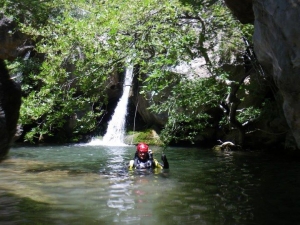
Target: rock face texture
[(242, 10), (277, 47), (12, 45), (10, 102)]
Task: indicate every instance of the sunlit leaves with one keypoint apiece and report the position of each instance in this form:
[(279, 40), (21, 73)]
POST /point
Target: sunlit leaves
[(185, 101), (80, 43), (185, 105)]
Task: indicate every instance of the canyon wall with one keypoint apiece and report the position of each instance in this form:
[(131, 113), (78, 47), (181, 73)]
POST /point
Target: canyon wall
[(13, 44), (277, 46)]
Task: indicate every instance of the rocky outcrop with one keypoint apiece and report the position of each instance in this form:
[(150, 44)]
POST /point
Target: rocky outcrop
[(10, 102), (277, 46), (13, 43), (242, 10), (153, 119)]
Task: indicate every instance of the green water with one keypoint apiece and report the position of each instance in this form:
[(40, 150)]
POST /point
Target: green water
[(91, 185)]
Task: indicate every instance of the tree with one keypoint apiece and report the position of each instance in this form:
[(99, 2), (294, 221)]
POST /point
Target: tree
[(79, 43), (219, 42), (93, 38)]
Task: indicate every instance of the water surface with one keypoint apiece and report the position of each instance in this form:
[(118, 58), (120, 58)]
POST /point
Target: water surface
[(91, 185)]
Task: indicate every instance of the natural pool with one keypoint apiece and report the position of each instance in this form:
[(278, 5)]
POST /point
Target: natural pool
[(91, 185)]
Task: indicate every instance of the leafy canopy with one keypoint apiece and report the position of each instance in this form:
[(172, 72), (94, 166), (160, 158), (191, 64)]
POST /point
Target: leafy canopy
[(80, 43)]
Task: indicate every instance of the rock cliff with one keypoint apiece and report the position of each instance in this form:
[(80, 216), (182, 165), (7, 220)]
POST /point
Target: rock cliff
[(13, 44), (277, 47), (10, 102)]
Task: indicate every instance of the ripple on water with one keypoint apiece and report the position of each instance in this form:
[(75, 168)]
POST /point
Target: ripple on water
[(88, 185)]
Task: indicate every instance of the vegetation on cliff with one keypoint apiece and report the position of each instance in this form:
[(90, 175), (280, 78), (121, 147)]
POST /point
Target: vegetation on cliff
[(80, 43)]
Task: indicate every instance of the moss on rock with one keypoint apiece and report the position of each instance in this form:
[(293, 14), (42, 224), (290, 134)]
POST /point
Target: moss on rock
[(148, 136)]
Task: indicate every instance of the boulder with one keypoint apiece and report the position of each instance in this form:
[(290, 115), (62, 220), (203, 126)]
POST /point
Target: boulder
[(13, 43), (10, 102)]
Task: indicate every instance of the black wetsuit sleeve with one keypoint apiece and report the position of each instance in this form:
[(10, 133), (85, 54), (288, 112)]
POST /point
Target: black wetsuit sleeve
[(165, 161)]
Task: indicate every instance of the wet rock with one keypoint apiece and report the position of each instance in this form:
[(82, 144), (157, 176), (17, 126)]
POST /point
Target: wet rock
[(10, 102), (277, 46), (13, 43)]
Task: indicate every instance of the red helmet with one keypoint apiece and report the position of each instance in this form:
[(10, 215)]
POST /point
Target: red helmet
[(142, 147)]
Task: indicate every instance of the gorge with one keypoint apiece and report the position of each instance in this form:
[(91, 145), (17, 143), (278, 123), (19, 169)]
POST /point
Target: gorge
[(276, 45)]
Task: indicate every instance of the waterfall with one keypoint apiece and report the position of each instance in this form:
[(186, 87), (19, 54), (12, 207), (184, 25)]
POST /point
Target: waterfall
[(116, 126)]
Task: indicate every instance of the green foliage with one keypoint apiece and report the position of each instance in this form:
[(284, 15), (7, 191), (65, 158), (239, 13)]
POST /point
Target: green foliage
[(185, 99), (79, 43), (185, 104), (247, 114), (148, 136), (72, 76)]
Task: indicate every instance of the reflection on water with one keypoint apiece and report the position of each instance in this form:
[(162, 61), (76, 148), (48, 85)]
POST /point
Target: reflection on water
[(91, 185)]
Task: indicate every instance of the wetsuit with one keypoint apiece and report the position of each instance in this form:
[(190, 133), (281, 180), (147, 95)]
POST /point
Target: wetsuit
[(148, 163)]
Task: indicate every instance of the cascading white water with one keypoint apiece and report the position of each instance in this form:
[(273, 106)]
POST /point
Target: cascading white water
[(116, 127)]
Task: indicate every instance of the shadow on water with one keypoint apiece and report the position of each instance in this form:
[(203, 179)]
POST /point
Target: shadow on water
[(80, 168), (23, 210)]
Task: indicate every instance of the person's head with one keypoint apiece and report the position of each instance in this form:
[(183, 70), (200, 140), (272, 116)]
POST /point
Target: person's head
[(142, 150)]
